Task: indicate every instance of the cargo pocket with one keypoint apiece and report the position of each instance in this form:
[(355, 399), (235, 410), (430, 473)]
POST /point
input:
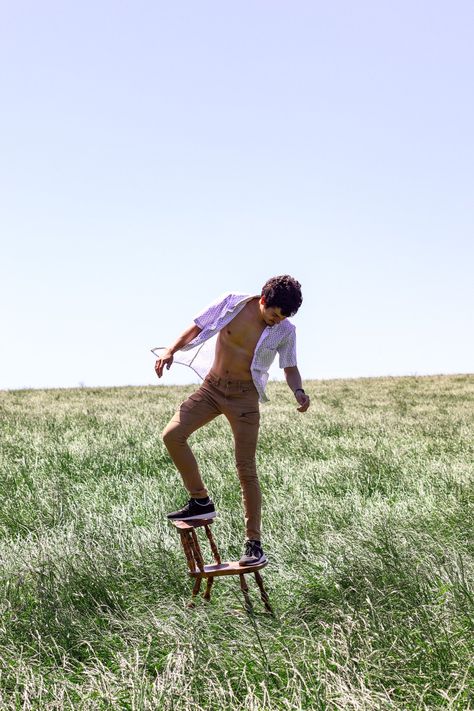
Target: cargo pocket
[(192, 401), (250, 416)]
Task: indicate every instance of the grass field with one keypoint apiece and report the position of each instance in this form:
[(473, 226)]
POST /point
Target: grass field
[(368, 523)]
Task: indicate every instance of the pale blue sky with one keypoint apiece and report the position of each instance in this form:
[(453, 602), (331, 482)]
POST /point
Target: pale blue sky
[(154, 155)]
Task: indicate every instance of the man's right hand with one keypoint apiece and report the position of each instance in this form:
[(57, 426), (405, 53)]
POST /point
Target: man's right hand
[(165, 359)]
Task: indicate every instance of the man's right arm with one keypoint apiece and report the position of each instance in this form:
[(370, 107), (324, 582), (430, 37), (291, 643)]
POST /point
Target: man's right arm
[(186, 337), (167, 358)]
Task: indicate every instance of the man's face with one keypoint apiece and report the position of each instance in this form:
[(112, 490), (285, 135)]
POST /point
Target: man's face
[(271, 314)]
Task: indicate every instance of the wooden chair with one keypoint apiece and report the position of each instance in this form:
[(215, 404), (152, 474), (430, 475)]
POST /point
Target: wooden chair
[(198, 570)]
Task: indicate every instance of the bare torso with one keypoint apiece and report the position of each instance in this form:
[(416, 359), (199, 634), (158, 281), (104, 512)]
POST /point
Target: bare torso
[(236, 343)]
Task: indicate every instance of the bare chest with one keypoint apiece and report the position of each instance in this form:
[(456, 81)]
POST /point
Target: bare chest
[(242, 333)]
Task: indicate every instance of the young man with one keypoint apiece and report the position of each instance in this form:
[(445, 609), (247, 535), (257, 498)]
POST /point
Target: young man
[(240, 334)]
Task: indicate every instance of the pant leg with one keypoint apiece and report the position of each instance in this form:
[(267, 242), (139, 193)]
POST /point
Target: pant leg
[(244, 419), (196, 411)]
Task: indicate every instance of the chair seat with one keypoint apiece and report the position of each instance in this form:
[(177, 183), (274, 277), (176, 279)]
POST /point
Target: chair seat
[(231, 567)]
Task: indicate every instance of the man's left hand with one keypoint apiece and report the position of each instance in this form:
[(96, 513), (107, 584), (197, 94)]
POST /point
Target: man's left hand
[(303, 400)]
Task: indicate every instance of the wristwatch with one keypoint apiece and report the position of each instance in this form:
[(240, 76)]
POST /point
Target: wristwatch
[(295, 391)]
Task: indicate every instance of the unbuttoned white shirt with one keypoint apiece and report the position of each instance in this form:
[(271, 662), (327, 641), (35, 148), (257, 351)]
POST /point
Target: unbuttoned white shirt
[(280, 338)]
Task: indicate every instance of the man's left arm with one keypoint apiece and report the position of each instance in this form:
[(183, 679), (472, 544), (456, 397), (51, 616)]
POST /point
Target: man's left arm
[(293, 378)]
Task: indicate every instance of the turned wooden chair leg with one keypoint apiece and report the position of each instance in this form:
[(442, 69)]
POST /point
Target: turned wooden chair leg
[(207, 594), (197, 585), (263, 592), (245, 590), (196, 551), (188, 551), (212, 543)]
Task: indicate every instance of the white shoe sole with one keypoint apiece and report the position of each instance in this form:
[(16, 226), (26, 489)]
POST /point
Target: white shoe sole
[(262, 559), (212, 514)]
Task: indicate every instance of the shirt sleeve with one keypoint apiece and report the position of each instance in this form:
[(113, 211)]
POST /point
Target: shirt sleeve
[(210, 313), (287, 351)]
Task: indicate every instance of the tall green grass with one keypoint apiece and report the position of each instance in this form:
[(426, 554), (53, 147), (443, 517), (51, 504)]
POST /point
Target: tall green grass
[(368, 515)]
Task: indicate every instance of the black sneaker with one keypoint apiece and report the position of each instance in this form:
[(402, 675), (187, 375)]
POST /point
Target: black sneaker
[(194, 509), (253, 553)]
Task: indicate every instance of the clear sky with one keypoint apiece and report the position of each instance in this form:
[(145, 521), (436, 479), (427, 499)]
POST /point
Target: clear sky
[(155, 154)]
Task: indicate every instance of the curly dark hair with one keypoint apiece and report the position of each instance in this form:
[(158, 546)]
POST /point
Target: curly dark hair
[(284, 292)]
